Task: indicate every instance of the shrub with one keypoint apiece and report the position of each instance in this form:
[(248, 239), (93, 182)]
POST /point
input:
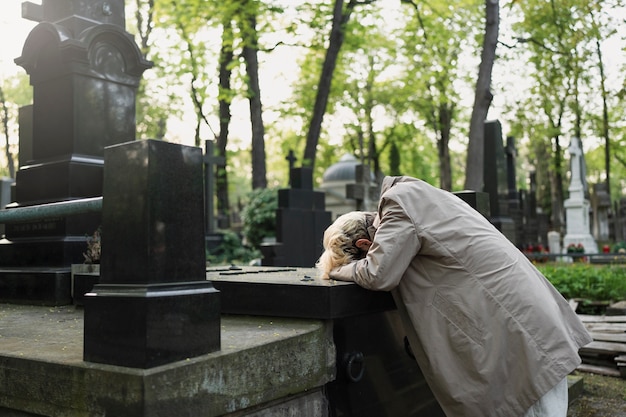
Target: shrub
[(585, 281), (231, 250), (259, 216)]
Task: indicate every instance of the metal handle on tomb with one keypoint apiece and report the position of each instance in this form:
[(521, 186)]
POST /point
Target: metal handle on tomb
[(51, 210), (355, 366)]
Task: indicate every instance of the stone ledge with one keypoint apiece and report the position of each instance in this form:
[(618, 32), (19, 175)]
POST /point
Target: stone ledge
[(262, 360)]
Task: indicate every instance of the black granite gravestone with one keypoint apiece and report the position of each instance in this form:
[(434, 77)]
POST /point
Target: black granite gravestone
[(301, 220), (153, 304), (495, 179), (513, 197), (85, 69), (477, 199), (529, 212)]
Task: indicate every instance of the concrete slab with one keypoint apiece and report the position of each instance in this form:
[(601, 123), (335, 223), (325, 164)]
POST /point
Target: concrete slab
[(262, 360)]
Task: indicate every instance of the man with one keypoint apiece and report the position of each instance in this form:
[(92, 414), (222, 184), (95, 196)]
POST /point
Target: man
[(491, 335)]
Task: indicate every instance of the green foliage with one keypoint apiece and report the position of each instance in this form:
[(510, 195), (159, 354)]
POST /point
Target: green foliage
[(585, 281), (232, 251), (259, 216)]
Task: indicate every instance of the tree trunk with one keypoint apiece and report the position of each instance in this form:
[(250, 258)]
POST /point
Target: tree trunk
[(259, 174), (605, 120), (221, 176), (557, 194), (323, 89), (482, 100)]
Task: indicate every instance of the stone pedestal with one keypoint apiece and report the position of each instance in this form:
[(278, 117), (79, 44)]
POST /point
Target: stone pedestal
[(578, 226), (153, 305)]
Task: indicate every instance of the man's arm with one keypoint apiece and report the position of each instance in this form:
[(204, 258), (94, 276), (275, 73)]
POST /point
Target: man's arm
[(395, 245)]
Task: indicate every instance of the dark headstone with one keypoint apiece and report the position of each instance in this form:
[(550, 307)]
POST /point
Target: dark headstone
[(513, 198), (301, 220), (153, 304), (478, 200), (531, 212), (495, 179), (85, 69)]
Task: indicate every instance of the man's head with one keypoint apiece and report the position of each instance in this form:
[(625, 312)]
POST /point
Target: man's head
[(346, 240)]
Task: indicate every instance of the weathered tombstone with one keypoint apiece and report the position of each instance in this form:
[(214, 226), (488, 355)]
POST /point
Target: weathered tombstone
[(85, 69), (153, 304), (301, 220), (495, 180), (554, 242), (577, 206)]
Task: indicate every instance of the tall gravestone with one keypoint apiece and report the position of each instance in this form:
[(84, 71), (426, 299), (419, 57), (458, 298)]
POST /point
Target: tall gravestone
[(495, 180), (153, 304), (85, 69), (513, 195), (577, 206)]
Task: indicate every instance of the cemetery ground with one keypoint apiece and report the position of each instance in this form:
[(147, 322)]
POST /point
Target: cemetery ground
[(602, 396)]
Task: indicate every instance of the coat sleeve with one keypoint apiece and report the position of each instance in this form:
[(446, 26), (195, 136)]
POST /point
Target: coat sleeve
[(395, 245)]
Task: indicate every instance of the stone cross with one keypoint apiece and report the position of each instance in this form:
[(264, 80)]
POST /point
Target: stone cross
[(291, 158), (362, 191), (210, 160)]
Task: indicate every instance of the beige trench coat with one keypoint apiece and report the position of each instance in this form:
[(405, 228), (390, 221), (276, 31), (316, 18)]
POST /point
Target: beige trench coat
[(489, 332)]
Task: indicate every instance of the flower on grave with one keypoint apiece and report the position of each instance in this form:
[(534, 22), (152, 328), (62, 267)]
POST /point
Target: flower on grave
[(575, 248), (94, 248)]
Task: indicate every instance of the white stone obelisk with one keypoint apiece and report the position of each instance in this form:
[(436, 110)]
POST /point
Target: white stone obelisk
[(577, 206)]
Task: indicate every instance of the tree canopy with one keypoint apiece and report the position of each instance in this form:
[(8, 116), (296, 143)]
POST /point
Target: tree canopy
[(394, 83)]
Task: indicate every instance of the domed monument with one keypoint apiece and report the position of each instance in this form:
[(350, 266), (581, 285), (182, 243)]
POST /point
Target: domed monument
[(335, 182)]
